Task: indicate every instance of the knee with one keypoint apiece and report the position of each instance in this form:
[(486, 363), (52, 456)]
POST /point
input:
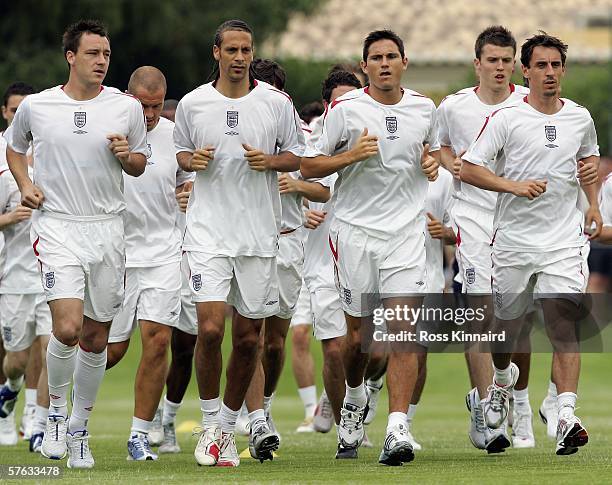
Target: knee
[(15, 364), (245, 345), (301, 340), (275, 348), (210, 334), (67, 333), (115, 353), (332, 352), (156, 343)]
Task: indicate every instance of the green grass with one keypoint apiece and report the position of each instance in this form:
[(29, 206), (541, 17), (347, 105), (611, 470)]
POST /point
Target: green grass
[(440, 425)]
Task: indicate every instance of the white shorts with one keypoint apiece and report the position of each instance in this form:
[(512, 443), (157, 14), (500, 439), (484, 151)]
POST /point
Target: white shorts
[(520, 278), (366, 265), (289, 264), (302, 315), (83, 260), (24, 317), (152, 294), (188, 320), (327, 315), (248, 283), (474, 229)]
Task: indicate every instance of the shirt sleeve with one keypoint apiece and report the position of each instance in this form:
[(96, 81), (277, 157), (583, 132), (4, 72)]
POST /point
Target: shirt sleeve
[(334, 135), (432, 135), (443, 132), (448, 202), (182, 133), (489, 141), (183, 177), (19, 135), (588, 145), (5, 192), (137, 134), (290, 137)]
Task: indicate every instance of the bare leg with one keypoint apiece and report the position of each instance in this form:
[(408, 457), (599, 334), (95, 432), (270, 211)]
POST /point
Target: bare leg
[(301, 358), (333, 373)]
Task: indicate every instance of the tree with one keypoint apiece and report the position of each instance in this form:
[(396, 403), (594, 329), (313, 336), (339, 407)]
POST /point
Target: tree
[(174, 36)]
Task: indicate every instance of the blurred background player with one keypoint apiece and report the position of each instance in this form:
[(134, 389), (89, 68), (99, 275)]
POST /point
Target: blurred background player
[(78, 234), (169, 109), (153, 261), (13, 96)]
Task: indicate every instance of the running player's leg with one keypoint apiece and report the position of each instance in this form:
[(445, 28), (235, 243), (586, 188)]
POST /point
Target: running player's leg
[(32, 375)]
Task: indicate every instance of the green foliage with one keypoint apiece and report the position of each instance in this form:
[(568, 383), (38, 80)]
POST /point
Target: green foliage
[(174, 36), (304, 79)]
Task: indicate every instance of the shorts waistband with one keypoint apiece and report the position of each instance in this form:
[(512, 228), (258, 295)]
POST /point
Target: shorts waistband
[(72, 218)]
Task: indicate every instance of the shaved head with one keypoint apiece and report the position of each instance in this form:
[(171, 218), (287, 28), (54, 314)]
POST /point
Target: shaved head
[(147, 78)]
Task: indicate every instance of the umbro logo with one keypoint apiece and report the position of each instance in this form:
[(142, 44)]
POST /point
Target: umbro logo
[(272, 302)]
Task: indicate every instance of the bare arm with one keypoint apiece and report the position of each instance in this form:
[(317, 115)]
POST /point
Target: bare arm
[(260, 162), (588, 170), (592, 215), (31, 195), (485, 179), (313, 191), (133, 163), (451, 162), (323, 165)]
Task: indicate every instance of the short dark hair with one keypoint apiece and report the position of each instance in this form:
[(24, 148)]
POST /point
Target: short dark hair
[(269, 71), (377, 35), (311, 110), (236, 25), (544, 40), (72, 37), (335, 79), (17, 89), (494, 35)]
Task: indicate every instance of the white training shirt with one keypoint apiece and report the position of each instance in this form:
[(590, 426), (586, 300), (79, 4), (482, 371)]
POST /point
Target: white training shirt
[(460, 118), (384, 194), (438, 203), (234, 210), (3, 162), (21, 274), (605, 201), (537, 146), (152, 235), (73, 164), (318, 260)]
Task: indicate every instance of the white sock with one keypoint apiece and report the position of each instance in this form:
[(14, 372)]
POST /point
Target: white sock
[(395, 419), (521, 397), (267, 403), (61, 361), (140, 426), (15, 385), (228, 418), (503, 377), (244, 411), (309, 399), (356, 395), (566, 402), (210, 411), (169, 411), (412, 409), (552, 390), (30, 397), (40, 419), (257, 418), (378, 383), (88, 374)]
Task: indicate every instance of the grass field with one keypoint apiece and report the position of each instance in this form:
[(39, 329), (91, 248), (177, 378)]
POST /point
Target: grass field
[(440, 425)]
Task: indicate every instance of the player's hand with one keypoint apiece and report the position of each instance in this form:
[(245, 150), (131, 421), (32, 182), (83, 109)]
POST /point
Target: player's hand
[(314, 218), (20, 213), (366, 147), (201, 157), (434, 227), (119, 146), (182, 198), (457, 165), (429, 164), (528, 188), (287, 184), (32, 197), (256, 158), (587, 171), (593, 216)]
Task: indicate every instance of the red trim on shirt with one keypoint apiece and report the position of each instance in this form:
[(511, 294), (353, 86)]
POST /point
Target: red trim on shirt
[(483, 126), (282, 92), (458, 242)]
